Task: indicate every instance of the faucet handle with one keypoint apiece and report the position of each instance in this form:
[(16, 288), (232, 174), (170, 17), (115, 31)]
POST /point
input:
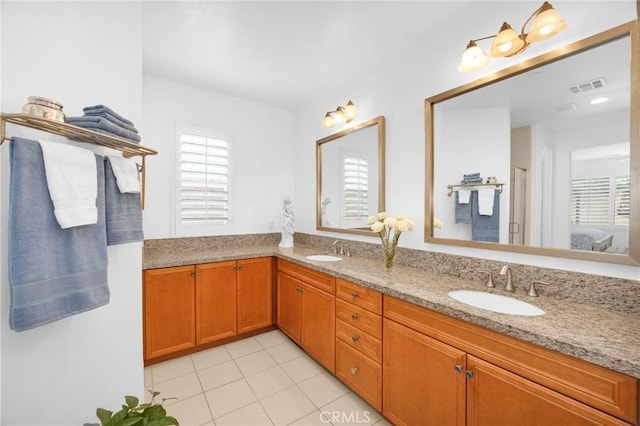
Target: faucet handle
[(335, 246), (490, 282), (532, 288)]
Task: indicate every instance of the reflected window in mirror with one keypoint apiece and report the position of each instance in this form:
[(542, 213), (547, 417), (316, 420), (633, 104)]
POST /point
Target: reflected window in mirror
[(350, 177), (563, 152)]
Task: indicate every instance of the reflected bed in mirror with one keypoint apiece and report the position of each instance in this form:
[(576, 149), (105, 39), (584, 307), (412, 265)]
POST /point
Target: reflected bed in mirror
[(565, 160), (350, 178)]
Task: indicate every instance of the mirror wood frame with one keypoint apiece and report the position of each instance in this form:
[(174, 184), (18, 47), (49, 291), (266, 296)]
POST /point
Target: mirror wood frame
[(633, 257), (380, 122)]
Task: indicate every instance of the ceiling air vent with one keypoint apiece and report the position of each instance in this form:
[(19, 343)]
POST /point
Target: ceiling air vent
[(588, 86)]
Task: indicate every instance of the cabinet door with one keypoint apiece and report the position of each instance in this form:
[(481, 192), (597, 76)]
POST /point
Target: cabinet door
[(169, 310), (289, 305), (318, 325), (255, 294), (215, 301), (497, 397), (421, 385)]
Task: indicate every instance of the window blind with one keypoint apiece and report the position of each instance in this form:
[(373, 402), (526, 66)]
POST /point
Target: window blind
[(204, 179), (356, 191), (622, 200), (590, 201)]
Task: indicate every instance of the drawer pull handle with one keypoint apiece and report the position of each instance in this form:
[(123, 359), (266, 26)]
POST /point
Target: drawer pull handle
[(354, 316), (354, 295), (354, 339), (458, 368), (354, 370), (469, 374)]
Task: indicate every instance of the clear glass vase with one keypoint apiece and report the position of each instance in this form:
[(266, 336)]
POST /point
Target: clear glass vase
[(389, 255)]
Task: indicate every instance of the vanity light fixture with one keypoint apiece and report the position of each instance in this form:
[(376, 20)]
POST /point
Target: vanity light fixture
[(340, 115), (547, 22)]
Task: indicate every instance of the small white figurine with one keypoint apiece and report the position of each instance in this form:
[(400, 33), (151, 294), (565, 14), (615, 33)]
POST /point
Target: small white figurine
[(323, 215), (286, 225)]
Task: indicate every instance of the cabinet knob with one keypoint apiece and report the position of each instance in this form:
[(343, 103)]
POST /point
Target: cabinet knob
[(469, 374), (457, 368), (299, 289), (354, 339), (239, 268), (354, 295), (354, 317), (354, 370), (192, 274)]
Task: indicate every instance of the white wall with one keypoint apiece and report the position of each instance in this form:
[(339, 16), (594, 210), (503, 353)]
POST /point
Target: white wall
[(262, 154), (80, 54), (397, 87), (475, 140)]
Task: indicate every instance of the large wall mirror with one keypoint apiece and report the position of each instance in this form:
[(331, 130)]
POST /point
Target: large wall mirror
[(542, 157), (350, 177)]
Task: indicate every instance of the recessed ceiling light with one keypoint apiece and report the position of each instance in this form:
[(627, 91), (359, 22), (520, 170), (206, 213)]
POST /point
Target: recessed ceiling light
[(598, 101)]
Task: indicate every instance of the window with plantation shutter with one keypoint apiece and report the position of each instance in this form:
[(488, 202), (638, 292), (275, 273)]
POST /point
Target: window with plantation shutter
[(356, 187), (622, 200), (203, 180), (590, 198)]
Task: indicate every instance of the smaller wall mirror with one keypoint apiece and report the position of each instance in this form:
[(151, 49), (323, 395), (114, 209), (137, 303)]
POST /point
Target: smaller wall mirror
[(350, 178)]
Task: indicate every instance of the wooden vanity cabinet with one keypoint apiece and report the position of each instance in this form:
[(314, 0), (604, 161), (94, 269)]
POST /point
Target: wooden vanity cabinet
[(190, 306), (359, 340), (440, 370), (306, 310)]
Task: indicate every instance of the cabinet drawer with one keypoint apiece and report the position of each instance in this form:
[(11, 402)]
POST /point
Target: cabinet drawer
[(359, 318), (318, 279), (359, 340), (607, 390), (360, 296), (360, 373)]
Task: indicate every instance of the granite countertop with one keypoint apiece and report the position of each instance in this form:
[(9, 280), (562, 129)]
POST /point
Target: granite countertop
[(589, 333)]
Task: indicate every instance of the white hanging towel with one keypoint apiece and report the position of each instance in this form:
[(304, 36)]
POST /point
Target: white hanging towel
[(126, 173), (485, 201), (72, 179), (464, 195)]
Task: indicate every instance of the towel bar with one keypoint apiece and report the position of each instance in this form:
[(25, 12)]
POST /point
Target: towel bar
[(451, 187)]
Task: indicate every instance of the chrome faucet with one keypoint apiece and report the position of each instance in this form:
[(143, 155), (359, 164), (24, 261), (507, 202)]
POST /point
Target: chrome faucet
[(508, 285)]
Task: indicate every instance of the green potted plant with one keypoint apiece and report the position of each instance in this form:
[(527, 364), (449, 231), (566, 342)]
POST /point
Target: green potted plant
[(134, 413)]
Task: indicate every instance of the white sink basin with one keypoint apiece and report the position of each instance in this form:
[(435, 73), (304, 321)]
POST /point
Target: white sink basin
[(324, 258), (496, 303)]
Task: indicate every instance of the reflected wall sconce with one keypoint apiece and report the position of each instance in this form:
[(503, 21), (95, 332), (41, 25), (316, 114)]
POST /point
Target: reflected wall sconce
[(340, 115), (547, 22)]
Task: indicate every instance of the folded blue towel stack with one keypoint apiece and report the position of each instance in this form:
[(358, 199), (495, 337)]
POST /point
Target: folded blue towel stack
[(102, 119), (472, 178)]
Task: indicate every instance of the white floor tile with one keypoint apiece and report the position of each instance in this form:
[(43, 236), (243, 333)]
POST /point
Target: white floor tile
[(285, 351), (269, 381), (191, 411), (171, 369), (350, 409), (287, 405), (243, 347), (251, 415), (301, 369), (271, 338), (383, 422), (323, 388), (255, 362), (211, 423), (210, 357), (180, 388), (313, 419), (218, 375), (227, 398)]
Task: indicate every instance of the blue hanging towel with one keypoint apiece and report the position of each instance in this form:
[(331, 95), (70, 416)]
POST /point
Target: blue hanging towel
[(485, 228), (53, 272)]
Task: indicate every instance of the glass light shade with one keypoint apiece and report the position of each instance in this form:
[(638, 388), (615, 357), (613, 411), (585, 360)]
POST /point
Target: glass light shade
[(473, 58), (547, 24), (339, 116), (506, 43), (327, 121), (350, 111)]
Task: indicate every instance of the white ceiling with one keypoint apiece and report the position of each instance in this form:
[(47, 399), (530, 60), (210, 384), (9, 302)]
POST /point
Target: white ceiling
[(280, 53)]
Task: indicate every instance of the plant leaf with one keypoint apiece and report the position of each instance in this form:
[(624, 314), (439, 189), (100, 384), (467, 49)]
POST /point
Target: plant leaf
[(157, 412), (104, 416), (132, 421), (132, 401), (120, 416), (171, 421)]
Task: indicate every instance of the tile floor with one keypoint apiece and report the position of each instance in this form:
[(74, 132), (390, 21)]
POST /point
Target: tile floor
[(262, 380)]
